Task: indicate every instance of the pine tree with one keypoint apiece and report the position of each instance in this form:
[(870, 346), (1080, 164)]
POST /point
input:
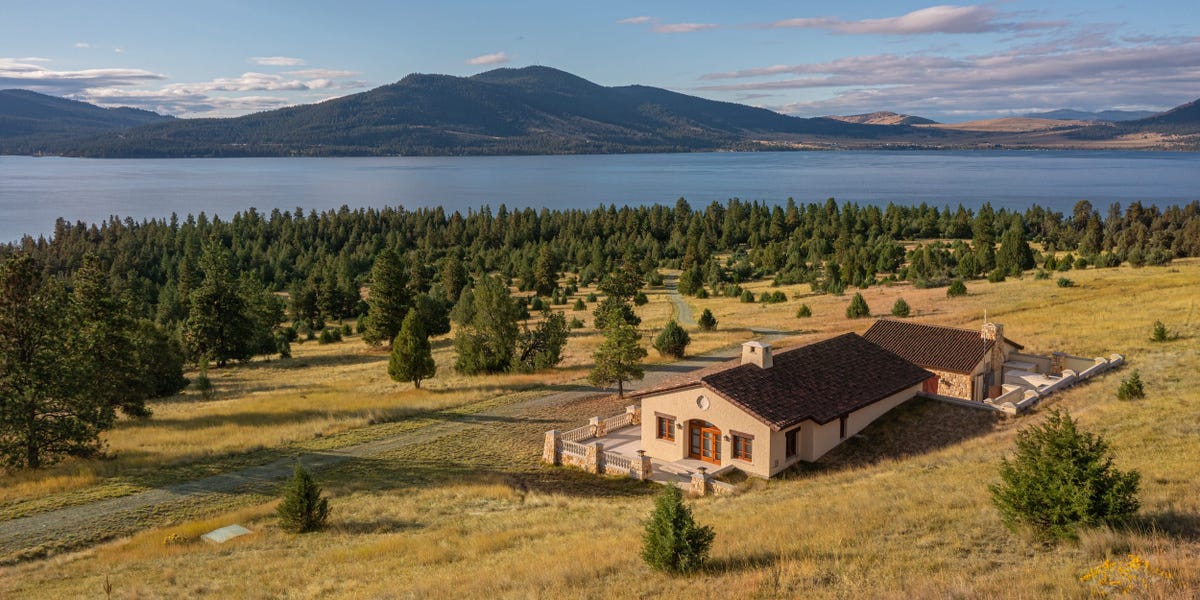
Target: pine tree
[(1160, 333), (673, 542), (545, 273), (707, 321), (219, 325), (803, 312), (900, 308), (1061, 479), (1131, 388), (412, 356), (673, 340), (956, 289), (303, 509), (488, 342), (388, 299), (618, 359), (858, 308), (541, 347)]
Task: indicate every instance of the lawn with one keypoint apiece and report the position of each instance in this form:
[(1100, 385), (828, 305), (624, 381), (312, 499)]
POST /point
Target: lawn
[(900, 511)]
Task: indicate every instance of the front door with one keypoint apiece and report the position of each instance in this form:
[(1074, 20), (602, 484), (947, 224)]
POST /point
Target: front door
[(705, 442)]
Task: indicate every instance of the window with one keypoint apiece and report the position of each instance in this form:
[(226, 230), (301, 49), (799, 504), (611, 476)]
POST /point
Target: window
[(743, 447), (792, 439), (665, 427)]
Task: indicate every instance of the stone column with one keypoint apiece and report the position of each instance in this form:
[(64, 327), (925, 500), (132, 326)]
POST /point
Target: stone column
[(635, 414), (641, 466), (593, 459), (552, 449), (597, 425), (701, 482)]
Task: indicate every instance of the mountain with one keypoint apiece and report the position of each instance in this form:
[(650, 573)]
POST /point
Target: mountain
[(883, 118), (29, 120), (532, 110), (1067, 114)]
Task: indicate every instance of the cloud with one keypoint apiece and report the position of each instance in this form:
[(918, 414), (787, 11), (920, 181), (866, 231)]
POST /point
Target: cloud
[(635, 20), (277, 61), (321, 73), (1090, 77), (682, 27), (82, 45), (935, 19), (497, 58), (29, 74)]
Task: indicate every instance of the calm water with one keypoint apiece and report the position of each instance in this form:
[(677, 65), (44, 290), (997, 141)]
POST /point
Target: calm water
[(35, 191)]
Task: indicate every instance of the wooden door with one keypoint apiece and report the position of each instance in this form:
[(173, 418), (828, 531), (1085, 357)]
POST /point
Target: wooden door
[(705, 442), (931, 385)]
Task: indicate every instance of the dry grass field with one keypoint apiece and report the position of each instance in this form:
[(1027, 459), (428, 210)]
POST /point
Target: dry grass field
[(900, 511)]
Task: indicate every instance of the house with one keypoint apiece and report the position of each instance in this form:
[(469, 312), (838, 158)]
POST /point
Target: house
[(969, 364), (773, 410)]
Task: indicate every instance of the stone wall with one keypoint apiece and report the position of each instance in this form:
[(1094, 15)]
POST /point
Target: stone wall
[(955, 385)]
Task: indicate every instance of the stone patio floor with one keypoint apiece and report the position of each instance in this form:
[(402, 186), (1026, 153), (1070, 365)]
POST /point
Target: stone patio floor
[(626, 441)]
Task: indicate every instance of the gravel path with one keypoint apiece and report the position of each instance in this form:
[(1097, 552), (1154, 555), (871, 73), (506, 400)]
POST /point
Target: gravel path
[(91, 523), (683, 311)]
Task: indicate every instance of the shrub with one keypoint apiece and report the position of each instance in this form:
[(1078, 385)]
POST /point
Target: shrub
[(1041, 275), (673, 542), (576, 323), (359, 326), (579, 305), (1161, 334), (1135, 577), (640, 299), (1081, 263), (591, 298), (329, 336), (803, 312), (996, 276), (900, 308), (303, 509), (203, 384), (858, 308), (345, 329), (956, 289), (1061, 479), (702, 293), (537, 304), (747, 296), (707, 321), (673, 340), (1063, 282), (1131, 388)]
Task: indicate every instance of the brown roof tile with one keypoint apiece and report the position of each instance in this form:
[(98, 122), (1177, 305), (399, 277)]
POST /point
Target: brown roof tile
[(932, 346), (820, 381)]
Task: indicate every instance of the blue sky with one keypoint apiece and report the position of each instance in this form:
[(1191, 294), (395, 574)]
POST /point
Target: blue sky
[(948, 62)]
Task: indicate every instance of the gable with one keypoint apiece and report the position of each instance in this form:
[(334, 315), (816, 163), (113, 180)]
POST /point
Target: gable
[(932, 346)]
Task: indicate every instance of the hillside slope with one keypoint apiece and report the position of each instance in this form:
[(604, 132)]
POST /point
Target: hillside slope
[(30, 121)]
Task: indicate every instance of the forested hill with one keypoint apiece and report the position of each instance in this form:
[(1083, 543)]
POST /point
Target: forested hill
[(532, 110), (31, 122)]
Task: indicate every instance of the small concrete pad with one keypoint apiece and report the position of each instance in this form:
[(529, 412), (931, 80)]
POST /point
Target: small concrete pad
[(224, 534)]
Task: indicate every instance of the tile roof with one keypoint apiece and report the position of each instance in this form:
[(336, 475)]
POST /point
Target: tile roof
[(821, 381), (932, 346)]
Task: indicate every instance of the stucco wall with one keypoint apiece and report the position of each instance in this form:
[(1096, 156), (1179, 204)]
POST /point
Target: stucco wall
[(682, 405)]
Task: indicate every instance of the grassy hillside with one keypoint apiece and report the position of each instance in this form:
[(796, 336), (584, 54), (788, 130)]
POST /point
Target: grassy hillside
[(900, 511)]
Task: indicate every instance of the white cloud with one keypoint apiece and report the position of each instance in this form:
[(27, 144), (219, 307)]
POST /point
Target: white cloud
[(935, 19), (497, 58), (277, 61), (82, 45), (321, 73), (635, 20), (29, 74), (682, 27)]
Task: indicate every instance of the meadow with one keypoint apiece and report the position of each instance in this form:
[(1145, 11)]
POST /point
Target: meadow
[(900, 511)]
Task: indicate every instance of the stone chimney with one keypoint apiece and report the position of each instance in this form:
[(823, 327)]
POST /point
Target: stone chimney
[(996, 358), (757, 353), (992, 331)]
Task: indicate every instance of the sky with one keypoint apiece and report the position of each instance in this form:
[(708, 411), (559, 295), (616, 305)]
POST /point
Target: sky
[(947, 62)]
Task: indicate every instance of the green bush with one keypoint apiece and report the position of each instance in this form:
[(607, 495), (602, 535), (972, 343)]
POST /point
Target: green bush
[(1063, 282), (203, 384), (345, 329), (576, 323), (803, 312), (1131, 388), (673, 542), (1062, 479), (956, 289), (900, 308), (329, 336), (858, 308), (673, 340), (537, 304), (996, 275), (707, 321), (747, 296), (1041, 275), (702, 293), (640, 299), (591, 298), (303, 509), (1161, 334), (579, 305)]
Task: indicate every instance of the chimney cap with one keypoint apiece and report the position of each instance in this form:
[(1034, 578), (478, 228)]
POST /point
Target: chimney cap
[(756, 344)]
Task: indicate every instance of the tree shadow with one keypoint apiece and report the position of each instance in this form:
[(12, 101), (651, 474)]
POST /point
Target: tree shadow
[(740, 562), (1179, 525), (329, 360), (374, 526)]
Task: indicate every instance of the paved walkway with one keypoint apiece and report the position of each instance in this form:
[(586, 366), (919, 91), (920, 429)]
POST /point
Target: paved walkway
[(94, 522), (683, 310)]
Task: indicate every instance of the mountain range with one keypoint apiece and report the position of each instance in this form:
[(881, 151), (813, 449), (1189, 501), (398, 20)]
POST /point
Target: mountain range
[(1067, 114), (531, 110)]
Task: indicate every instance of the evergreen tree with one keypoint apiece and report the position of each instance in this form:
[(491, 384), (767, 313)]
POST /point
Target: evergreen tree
[(487, 343), (303, 509), (1015, 255), (1160, 333), (613, 311), (219, 325), (541, 347), (388, 298), (545, 272), (108, 334), (579, 305), (858, 308), (1131, 388), (47, 408), (454, 277), (624, 284), (1061, 479), (957, 288), (464, 309), (673, 340), (900, 308), (673, 542), (803, 312), (618, 359), (707, 321), (435, 317), (412, 356)]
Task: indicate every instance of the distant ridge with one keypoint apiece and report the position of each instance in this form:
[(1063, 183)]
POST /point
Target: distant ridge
[(1067, 114), (883, 118), (35, 121)]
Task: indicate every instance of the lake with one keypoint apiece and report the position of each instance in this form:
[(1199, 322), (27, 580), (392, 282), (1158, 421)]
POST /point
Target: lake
[(36, 191)]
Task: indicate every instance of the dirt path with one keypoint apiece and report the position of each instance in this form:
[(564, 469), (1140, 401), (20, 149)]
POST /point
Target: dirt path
[(683, 310), (87, 524)]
